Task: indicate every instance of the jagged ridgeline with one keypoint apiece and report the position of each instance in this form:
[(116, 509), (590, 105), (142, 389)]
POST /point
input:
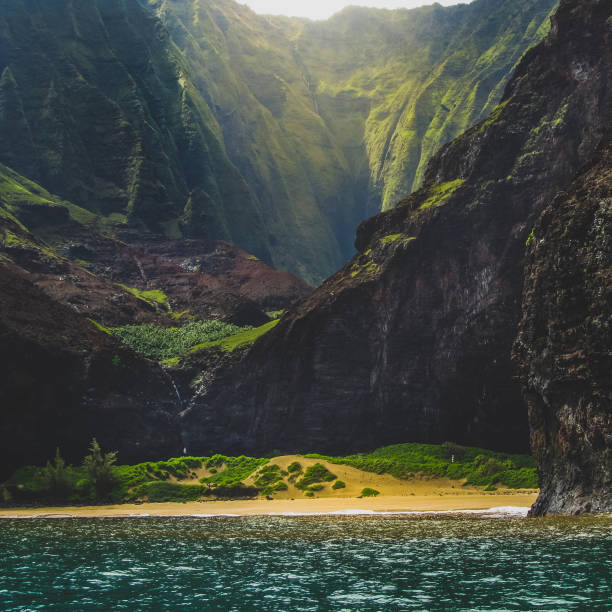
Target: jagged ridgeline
[(200, 118)]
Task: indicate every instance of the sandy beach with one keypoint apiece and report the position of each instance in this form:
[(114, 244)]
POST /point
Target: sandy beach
[(386, 504)]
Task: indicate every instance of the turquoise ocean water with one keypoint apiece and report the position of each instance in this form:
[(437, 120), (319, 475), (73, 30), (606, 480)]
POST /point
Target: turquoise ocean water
[(307, 563)]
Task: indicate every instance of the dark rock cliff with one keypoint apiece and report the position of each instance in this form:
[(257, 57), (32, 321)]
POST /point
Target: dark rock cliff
[(63, 382), (563, 348), (412, 339)]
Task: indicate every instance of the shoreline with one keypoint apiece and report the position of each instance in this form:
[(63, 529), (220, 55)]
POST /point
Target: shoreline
[(504, 504)]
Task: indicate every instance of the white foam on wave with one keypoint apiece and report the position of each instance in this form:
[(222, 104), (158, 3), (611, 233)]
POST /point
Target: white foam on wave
[(210, 515), (500, 511), (504, 511)]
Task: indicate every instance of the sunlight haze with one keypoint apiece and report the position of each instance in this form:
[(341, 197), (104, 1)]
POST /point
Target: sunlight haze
[(317, 9)]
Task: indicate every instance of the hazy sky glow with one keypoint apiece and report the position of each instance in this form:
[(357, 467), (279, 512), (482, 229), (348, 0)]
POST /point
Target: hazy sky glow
[(322, 9)]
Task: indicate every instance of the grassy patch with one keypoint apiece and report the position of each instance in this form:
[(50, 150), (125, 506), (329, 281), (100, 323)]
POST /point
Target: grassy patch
[(275, 314), (440, 192), (239, 340), (365, 271), (390, 238), (100, 327), (152, 297)]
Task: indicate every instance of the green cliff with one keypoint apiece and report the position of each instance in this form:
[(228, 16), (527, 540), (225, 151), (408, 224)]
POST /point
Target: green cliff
[(200, 118)]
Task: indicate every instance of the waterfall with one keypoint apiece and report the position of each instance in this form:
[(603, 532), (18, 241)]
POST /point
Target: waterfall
[(178, 395)]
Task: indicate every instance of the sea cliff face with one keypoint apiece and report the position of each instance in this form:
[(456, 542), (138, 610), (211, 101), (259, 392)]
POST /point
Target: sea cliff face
[(412, 339), (563, 347)]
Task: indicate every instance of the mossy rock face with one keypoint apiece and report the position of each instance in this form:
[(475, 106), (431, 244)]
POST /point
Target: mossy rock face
[(276, 134)]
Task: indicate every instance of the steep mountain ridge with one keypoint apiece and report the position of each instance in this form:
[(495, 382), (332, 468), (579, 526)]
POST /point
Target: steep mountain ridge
[(93, 107), (279, 135), (77, 259), (412, 339)]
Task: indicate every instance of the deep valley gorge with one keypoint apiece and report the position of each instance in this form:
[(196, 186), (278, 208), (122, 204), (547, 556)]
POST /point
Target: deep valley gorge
[(222, 232)]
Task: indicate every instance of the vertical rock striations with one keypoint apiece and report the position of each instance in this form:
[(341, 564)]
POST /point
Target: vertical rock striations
[(563, 347), (200, 118), (95, 105)]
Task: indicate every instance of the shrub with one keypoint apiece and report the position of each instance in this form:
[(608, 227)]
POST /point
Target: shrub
[(270, 479), (405, 460), (316, 487), (215, 461), (170, 491), (295, 467), (56, 478), (268, 475), (315, 473), (491, 466), (367, 492), (523, 478), (339, 484), (237, 490), (236, 469)]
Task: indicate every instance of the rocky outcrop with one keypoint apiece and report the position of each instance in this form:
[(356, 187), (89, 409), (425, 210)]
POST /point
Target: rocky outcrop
[(563, 347), (412, 339)]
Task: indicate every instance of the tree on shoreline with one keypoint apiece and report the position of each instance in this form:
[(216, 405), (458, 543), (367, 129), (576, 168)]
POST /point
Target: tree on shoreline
[(100, 468)]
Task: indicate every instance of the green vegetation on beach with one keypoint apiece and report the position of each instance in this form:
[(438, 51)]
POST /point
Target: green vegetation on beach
[(99, 479), (478, 466)]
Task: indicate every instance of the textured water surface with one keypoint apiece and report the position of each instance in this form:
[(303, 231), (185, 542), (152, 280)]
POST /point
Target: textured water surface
[(306, 563)]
